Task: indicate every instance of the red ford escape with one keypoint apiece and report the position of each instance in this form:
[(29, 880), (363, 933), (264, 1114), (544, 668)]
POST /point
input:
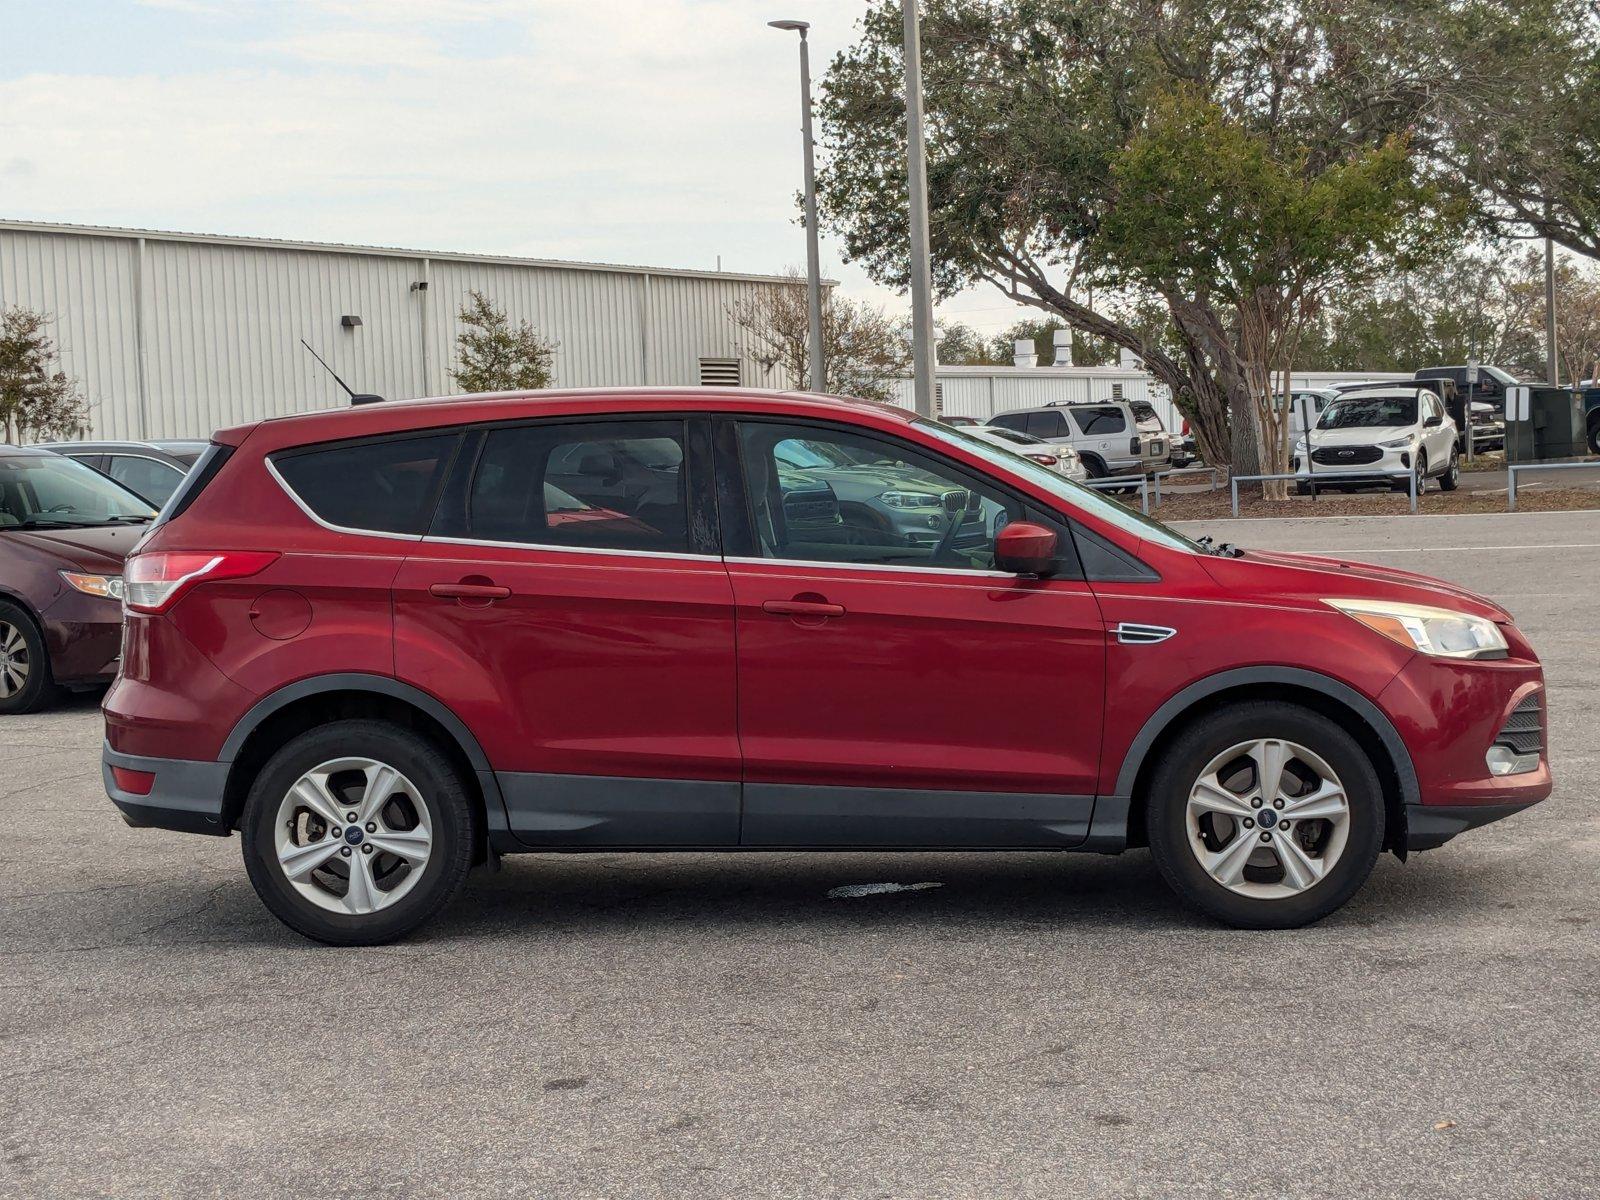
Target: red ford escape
[(387, 643)]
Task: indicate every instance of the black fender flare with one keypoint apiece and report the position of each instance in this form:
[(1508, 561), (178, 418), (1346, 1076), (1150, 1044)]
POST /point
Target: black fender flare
[(382, 685), (1108, 828)]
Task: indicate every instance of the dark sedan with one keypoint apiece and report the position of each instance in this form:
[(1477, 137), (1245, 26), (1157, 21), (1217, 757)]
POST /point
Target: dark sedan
[(64, 531), (152, 470)]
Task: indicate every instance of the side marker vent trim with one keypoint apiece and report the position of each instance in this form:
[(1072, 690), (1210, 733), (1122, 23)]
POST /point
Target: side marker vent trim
[(1132, 634)]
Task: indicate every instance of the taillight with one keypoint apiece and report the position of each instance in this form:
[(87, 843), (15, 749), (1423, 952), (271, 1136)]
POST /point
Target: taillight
[(1048, 460), (1186, 427), (153, 582)]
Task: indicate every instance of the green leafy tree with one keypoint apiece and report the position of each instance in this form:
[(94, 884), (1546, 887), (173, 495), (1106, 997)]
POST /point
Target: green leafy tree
[(37, 399), (864, 351), (962, 346), (1519, 126), (1032, 106), (494, 356), (1209, 207)]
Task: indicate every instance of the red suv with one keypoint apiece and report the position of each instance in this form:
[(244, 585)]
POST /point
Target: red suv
[(389, 642)]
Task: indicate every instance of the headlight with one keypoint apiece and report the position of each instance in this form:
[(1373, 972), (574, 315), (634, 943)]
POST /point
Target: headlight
[(1437, 631), (107, 586), (897, 499), (1397, 443)]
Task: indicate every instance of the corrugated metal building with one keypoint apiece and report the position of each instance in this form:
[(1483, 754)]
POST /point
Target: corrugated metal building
[(174, 335)]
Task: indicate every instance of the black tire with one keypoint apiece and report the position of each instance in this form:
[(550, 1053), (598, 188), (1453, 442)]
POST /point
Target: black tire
[(452, 815), (1451, 479), (1302, 489), (1187, 757), (1594, 437), (38, 688), (1093, 466), (1402, 483)]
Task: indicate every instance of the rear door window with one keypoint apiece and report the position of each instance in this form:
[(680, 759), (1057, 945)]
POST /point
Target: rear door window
[(382, 486), (1099, 420), (1017, 421), (1046, 425), (615, 485)]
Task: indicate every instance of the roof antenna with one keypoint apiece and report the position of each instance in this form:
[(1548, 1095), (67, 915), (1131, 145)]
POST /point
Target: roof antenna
[(355, 396)]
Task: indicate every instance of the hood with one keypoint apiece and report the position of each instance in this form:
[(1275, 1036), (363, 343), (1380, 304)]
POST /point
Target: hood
[(1311, 576), (98, 548), (1365, 436)]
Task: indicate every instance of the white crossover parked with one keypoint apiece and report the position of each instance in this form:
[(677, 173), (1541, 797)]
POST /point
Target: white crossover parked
[(1380, 436), (1061, 459)]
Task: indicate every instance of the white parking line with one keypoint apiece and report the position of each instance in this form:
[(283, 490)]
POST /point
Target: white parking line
[(1449, 549)]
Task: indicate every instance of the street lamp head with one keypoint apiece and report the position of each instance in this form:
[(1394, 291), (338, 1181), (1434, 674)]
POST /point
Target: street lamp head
[(799, 27)]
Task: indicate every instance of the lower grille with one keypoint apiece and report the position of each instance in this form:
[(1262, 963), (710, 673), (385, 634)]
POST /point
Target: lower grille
[(1523, 731)]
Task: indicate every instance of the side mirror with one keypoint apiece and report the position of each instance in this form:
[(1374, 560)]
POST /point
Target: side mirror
[(1024, 548), (1435, 419)]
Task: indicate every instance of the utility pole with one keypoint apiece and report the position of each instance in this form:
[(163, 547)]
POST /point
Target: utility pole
[(1552, 365), (922, 349), (817, 364)]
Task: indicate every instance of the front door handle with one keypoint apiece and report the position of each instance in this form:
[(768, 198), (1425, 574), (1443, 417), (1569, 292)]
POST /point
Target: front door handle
[(802, 608), (468, 591)]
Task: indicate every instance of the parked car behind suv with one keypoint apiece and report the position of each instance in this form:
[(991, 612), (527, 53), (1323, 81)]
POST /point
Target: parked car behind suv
[(151, 470), (1380, 435), (366, 642), (1061, 459), (1106, 435), (64, 529)]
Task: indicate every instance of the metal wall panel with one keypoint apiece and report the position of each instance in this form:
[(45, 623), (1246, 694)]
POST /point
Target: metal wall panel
[(222, 321), (87, 286)]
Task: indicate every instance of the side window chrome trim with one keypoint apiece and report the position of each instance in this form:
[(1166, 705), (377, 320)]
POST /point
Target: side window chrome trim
[(679, 555), (833, 566), (283, 483)]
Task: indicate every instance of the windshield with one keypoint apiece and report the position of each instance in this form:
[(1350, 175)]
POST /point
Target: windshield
[(1069, 493), (47, 491), (1369, 412)]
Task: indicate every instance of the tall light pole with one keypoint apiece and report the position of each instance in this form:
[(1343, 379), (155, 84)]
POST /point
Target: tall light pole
[(818, 366), (922, 350)]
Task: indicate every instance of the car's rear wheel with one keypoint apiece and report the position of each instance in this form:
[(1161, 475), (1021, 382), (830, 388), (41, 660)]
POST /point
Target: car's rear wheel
[(1594, 437), (26, 684), (357, 832), (1265, 816)]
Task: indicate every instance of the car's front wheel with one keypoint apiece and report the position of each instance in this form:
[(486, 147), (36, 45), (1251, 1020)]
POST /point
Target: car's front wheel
[(1265, 816), (1451, 479), (357, 832)]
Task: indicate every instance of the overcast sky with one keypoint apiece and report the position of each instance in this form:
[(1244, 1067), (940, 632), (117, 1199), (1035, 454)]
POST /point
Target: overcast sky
[(660, 132)]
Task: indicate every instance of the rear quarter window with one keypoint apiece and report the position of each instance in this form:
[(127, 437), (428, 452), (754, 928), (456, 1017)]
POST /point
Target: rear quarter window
[(385, 486), (1099, 420), (1046, 425)]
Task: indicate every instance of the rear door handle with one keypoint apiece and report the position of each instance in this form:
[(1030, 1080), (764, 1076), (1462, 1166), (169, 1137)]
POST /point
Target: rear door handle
[(802, 608), (468, 591)]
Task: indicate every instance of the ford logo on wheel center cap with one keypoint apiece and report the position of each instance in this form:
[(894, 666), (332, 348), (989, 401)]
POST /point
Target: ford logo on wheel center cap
[(353, 835), (1266, 817)]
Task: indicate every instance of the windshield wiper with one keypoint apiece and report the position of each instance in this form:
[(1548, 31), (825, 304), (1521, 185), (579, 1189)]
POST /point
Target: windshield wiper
[(34, 523), (130, 519)]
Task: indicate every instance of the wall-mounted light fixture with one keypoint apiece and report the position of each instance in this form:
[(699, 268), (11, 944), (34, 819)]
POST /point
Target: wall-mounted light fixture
[(350, 322)]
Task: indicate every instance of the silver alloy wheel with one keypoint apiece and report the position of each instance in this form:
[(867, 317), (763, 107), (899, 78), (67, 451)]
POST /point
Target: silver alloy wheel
[(353, 835), (1267, 819), (13, 660)]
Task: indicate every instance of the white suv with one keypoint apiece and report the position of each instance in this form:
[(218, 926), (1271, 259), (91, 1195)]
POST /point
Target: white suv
[(1105, 434), (1380, 435)]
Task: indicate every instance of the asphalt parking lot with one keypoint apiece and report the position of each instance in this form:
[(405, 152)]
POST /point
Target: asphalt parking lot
[(1035, 1025)]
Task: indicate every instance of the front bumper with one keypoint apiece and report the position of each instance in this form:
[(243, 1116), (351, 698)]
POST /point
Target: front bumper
[(185, 795), (1389, 465)]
